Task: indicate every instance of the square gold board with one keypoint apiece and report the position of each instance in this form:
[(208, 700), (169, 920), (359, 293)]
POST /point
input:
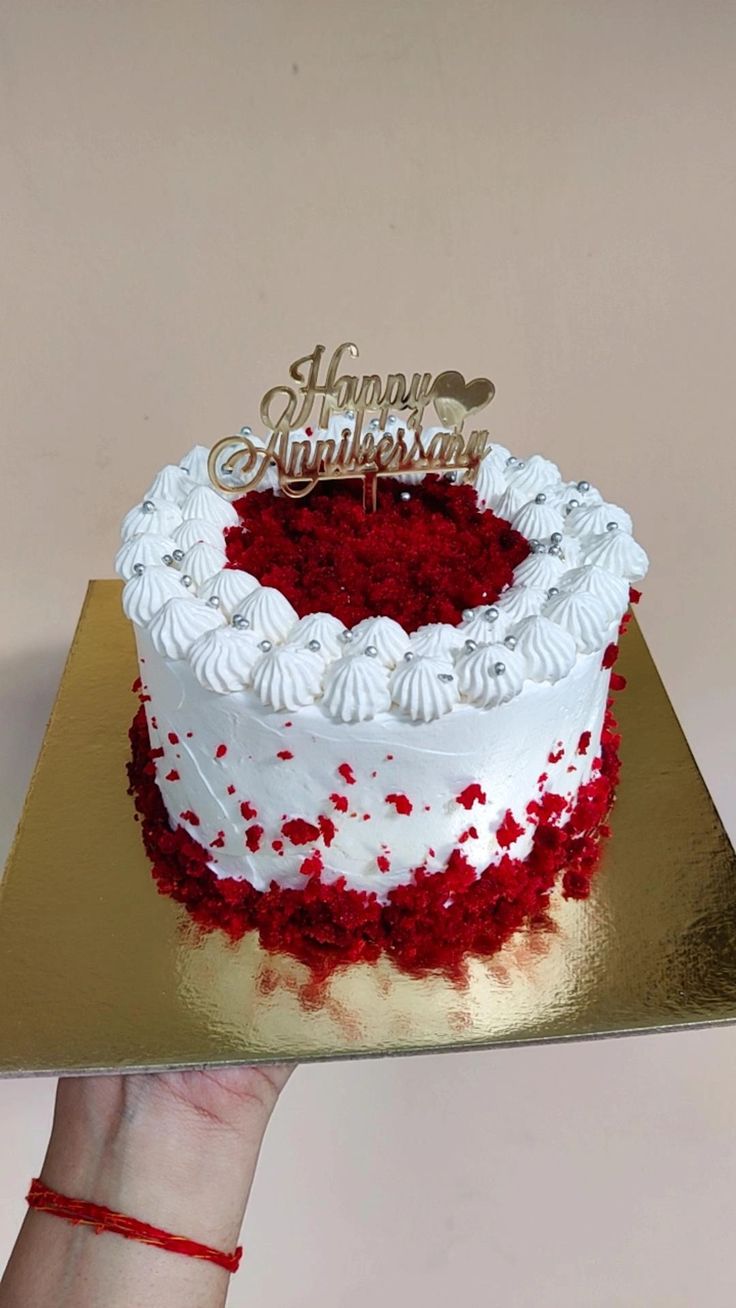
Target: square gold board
[(98, 972)]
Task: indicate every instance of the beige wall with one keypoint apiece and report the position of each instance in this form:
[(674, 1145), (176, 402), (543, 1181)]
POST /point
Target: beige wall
[(193, 194)]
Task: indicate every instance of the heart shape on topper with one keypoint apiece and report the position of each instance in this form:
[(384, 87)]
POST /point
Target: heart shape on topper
[(454, 398)]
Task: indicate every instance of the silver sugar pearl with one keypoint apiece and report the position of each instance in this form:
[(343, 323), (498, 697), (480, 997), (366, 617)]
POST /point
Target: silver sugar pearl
[(246, 431), (583, 486), (541, 498), (471, 646), (177, 555), (499, 669), (555, 551), (186, 580), (572, 504), (510, 641), (553, 590), (371, 651), (520, 464), (405, 495), (148, 506), (374, 425), (265, 645), (611, 526), (451, 477), (138, 569), (535, 545), (491, 614), (511, 461), (213, 602), (468, 615), (350, 414), (346, 636), (407, 657), (314, 645), (168, 559), (240, 622), (556, 538), (445, 676)]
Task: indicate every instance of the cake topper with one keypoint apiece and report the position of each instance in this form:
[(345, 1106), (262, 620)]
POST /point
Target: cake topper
[(391, 445)]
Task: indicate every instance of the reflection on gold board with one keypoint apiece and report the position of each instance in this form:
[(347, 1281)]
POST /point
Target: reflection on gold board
[(100, 972)]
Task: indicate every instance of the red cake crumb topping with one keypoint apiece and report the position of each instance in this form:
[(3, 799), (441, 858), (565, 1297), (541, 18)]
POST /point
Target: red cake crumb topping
[(278, 845), (584, 742), (347, 774), (231, 789), (509, 830), (253, 838), (218, 841), (285, 754), (190, 817), (555, 757), (634, 595), (617, 681), (327, 829), (173, 738), (322, 551), (221, 751), (470, 834), (247, 810), (472, 794), (173, 775), (401, 803), (299, 831), (610, 654), (340, 802), (312, 865), (383, 863)]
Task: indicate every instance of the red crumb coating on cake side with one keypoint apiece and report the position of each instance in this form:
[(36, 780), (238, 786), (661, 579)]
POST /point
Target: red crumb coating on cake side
[(438, 554)]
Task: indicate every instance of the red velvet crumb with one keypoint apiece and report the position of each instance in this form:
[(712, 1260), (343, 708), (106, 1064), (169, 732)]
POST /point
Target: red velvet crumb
[(509, 830), (221, 751), (190, 817), (327, 828), (312, 865), (584, 742), (248, 811), (285, 754), (347, 774), (253, 838), (401, 803), (173, 775), (299, 831), (472, 794), (340, 802), (173, 738)]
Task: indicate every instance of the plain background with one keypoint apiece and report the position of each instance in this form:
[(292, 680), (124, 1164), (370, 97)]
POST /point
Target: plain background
[(193, 194)]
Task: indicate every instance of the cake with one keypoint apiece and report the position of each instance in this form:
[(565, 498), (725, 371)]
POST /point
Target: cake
[(376, 662)]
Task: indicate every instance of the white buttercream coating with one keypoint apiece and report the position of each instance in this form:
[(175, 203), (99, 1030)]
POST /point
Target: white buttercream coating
[(288, 677), (192, 531), (145, 594), (424, 688), (613, 591), (145, 551), (230, 586), (322, 628), (384, 635), (513, 499), (537, 521), (519, 602), (618, 552), (268, 613), (195, 463), (540, 571), (583, 615), (487, 624), (490, 483), (202, 561), (548, 651), (222, 659), (204, 503), (490, 675), (531, 475), (178, 623), (172, 483), (160, 517), (356, 689), (438, 640), (592, 519), (500, 455), (566, 495)]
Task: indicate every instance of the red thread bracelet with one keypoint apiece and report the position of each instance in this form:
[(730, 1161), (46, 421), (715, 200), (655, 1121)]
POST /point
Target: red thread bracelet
[(79, 1212)]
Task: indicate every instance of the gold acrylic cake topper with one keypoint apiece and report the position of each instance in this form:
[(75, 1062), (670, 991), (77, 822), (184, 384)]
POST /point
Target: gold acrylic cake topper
[(239, 463)]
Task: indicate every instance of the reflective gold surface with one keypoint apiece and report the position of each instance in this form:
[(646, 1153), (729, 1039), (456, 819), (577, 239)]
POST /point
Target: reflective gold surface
[(98, 971)]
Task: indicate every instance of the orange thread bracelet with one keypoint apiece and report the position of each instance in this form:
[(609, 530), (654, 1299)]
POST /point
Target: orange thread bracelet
[(79, 1212)]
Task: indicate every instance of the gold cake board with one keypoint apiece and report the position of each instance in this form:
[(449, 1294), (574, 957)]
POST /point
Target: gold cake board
[(98, 972)]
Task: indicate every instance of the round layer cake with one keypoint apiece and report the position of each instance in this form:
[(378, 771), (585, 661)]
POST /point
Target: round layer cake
[(366, 732)]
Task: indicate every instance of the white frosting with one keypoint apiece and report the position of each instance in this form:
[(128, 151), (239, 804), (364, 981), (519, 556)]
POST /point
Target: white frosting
[(424, 688), (357, 689), (206, 504), (583, 615), (387, 637), (548, 650), (193, 530), (222, 659), (288, 677), (529, 476), (487, 624), (157, 516), (490, 675), (145, 594), (612, 590), (567, 495), (539, 571), (171, 483), (142, 551), (519, 602), (323, 629), (439, 640), (619, 553), (513, 499), (230, 586), (592, 519), (178, 623), (268, 613), (201, 561), (500, 455), (490, 482), (195, 463), (537, 521)]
